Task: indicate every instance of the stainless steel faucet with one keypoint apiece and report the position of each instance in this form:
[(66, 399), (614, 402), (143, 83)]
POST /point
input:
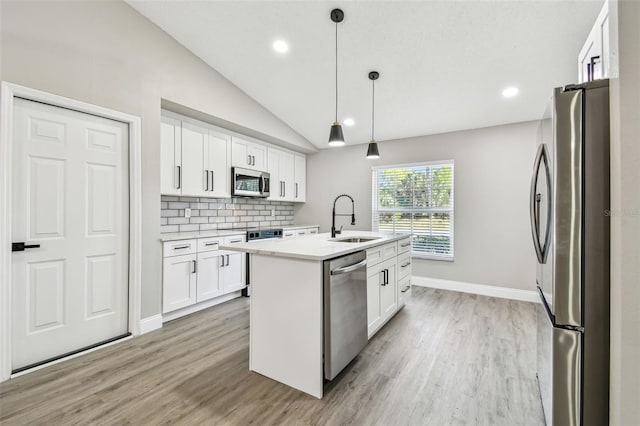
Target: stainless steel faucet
[(333, 215)]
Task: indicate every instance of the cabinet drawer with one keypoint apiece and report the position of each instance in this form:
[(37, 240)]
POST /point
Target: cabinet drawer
[(176, 248), (208, 244), (404, 289), (301, 232), (404, 265), (404, 245), (234, 239), (312, 231), (381, 253), (288, 234)]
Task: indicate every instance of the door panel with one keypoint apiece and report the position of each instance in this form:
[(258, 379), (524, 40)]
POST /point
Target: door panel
[(558, 370), (233, 271), (171, 156), (209, 283), (388, 292), (218, 165), (179, 282), (70, 195), (568, 201), (194, 141)]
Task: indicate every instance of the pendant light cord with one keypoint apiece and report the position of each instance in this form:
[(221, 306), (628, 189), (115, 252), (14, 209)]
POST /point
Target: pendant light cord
[(373, 105), (336, 72)]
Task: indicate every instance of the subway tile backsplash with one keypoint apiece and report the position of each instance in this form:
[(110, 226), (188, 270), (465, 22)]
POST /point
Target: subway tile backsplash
[(222, 213)]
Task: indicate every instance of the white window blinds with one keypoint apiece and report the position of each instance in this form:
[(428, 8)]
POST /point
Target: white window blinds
[(416, 198)]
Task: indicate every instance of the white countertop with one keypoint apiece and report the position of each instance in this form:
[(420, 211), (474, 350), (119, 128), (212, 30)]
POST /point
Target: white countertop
[(314, 247), (176, 236)]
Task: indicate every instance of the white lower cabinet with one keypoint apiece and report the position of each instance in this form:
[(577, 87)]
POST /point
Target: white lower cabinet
[(209, 282), (179, 290), (388, 282), (205, 274)]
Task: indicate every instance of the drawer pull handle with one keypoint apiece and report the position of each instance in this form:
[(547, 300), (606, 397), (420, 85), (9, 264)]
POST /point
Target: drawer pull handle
[(181, 247), (405, 265), (405, 245), (210, 244), (406, 289)]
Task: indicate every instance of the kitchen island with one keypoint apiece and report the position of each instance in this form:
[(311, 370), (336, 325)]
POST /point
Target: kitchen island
[(287, 299)]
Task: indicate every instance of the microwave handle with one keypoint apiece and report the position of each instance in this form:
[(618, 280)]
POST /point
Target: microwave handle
[(261, 183)]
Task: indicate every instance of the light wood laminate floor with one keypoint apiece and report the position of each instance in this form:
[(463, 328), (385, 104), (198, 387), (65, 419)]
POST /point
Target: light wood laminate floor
[(446, 359)]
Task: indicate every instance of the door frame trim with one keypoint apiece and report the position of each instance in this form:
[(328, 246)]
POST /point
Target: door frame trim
[(8, 93)]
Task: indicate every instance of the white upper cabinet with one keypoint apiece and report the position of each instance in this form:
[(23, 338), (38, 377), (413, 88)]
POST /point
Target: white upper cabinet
[(195, 159), (194, 139), (248, 155), (281, 168), (217, 154), (300, 179), (171, 155), (594, 60)]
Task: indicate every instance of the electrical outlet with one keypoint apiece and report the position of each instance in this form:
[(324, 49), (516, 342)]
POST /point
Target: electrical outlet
[(187, 212)]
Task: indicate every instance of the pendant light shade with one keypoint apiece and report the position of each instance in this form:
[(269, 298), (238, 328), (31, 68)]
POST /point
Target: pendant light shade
[(336, 138), (372, 149)]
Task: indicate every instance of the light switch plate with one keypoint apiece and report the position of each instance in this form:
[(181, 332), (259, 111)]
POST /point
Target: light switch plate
[(187, 212)]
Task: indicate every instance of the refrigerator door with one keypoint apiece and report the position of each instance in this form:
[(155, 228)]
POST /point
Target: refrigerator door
[(541, 198), (568, 207), (558, 365)]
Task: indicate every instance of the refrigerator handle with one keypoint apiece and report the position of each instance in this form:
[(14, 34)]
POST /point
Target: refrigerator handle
[(532, 204)]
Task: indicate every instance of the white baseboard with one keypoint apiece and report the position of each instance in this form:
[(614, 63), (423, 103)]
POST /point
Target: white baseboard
[(200, 306), (482, 289), (150, 323)]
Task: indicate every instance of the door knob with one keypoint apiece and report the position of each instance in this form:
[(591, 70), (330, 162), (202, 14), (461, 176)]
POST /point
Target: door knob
[(22, 246)]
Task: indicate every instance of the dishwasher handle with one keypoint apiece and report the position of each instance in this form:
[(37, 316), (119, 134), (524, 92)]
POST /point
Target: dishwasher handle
[(349, 268)]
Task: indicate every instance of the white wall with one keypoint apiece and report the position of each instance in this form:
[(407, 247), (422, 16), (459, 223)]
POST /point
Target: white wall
[(492, 178), (625, 220), (106, 53)]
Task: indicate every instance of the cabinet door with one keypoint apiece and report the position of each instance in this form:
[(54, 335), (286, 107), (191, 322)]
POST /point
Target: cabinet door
[(258, 154), (286, 175), (233, 273), (218, 165), (273, 167), (248, 155), (179, 282), (389, 291), (300, 179), (239, 155), (208, 267), (170, 156), (375, 279), (194, 140)]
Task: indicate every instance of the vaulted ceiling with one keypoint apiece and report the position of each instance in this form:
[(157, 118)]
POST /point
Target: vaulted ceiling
[(442, 64)]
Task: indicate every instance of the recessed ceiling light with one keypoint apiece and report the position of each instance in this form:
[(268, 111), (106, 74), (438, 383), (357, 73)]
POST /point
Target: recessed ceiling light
[(510, 92), (280, 46), (349, 122)]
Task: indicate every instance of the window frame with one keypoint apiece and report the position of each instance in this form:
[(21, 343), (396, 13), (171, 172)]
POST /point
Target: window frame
[(375, 210)]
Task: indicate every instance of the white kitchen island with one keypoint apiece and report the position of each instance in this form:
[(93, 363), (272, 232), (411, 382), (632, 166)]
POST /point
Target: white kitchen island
[(286, 304)]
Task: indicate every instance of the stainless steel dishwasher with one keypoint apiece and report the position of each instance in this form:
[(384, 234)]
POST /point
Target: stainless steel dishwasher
[(345, 311)]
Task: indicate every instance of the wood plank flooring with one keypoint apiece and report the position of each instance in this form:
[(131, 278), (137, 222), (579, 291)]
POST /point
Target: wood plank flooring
[(446, 359)]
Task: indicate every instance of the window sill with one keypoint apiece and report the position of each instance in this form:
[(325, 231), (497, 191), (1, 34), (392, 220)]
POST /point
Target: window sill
[(428, 257)]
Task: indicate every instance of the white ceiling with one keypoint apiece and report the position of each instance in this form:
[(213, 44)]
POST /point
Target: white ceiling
[(442, 64)]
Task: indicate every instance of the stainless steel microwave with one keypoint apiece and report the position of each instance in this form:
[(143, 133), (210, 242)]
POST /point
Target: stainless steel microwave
[(249, 183)]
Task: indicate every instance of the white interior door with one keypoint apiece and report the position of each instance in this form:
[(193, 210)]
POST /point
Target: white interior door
[(70, 196)]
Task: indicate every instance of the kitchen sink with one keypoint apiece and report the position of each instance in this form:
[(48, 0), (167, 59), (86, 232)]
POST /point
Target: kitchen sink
[(355, 239)]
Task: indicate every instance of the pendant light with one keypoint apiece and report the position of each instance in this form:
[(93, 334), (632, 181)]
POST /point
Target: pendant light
[(372, 150), (336, 138)]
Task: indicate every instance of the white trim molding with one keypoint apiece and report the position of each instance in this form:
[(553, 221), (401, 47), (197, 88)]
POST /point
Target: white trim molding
[(8, 92), (482, 289), (151, 323)]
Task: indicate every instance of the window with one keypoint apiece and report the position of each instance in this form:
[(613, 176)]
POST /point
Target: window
[(416, 198)]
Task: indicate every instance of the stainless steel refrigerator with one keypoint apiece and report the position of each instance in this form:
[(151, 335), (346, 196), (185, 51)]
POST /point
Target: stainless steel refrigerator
[(570, 229)]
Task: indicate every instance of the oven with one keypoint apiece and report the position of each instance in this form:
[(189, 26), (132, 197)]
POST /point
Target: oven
[(256, 235)]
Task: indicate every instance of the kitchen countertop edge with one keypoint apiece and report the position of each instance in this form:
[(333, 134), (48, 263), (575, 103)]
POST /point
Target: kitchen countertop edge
[(326, 249)]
